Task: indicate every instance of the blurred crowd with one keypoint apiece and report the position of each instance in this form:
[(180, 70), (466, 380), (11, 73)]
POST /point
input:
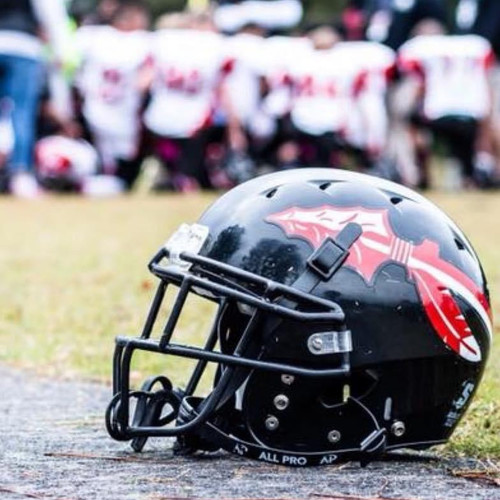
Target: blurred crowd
[(223, 91)]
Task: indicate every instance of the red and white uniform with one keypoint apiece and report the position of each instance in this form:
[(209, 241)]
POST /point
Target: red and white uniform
[(281, 54), (243, 84), (367, 124), (325, 84), (189, 68), (108, 80), (454, 72)]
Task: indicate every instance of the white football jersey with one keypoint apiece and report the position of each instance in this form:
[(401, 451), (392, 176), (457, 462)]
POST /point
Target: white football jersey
[(454, 71), (377, 60), (108, 78), (243, 83), (367, 123), (325, 84), (189, 68), (281, 54)]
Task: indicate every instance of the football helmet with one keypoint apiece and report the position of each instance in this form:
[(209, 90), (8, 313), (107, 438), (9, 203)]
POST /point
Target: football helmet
[(63, 163), (353, 318)]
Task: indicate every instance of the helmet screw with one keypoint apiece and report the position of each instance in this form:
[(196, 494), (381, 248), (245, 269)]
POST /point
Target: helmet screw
[(334, 436), (317, 343), (281, 402), (287, 379), (398, 428), (272, 423)]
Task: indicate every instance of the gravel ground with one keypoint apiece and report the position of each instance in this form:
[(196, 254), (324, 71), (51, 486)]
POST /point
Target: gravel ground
[(55, 446)]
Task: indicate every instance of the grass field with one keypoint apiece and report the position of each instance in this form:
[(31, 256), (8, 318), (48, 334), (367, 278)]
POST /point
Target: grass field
[(73, 275)]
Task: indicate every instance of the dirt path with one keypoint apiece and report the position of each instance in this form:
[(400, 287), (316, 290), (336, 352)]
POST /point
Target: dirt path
[(54, 446)]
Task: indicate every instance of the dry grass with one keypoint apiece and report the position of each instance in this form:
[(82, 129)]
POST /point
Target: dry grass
[(73, 274)]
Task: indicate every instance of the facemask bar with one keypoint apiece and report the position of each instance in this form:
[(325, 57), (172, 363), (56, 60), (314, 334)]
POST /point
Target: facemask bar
[(259, 294)]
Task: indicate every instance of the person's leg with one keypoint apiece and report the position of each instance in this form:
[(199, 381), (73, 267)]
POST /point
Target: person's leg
[(6, 132), (128, 170), (421, 135), (3, 62), (191, 162), (460, 133), (283, 152), (22, 83), (464, 146), (330, 145)]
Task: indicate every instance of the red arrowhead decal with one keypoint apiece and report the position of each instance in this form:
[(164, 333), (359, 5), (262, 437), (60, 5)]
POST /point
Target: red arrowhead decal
[(435, 279)]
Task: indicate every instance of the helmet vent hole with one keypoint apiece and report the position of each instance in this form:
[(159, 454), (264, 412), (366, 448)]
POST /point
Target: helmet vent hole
[(459, 244), (346, 393), (325, 186), (395, 200), (271, 193)]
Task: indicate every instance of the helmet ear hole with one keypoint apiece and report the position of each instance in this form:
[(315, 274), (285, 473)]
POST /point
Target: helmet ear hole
[(333, 396), (346, 392), (358, 386)]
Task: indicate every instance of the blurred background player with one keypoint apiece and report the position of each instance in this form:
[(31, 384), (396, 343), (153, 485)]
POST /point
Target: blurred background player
[(454, 92), (334, 105), (112, 80), (482, 17), (24, 24), (245, 87), (280, 55), (190, 71), (320, 99), (367, 126)]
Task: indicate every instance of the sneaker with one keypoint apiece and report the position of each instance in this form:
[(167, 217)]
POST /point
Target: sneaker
[(24, 185)]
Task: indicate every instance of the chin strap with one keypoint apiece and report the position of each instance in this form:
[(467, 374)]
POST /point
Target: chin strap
[(210, 437)]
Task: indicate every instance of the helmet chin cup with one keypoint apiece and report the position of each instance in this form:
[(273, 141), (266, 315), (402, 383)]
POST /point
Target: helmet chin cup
[(149, 411), (150, 406)]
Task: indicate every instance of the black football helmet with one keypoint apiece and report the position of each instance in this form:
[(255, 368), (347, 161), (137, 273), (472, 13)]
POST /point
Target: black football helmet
[(353, 318)]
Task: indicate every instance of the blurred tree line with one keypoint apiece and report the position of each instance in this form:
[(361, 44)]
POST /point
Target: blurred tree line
[(315, 9)]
